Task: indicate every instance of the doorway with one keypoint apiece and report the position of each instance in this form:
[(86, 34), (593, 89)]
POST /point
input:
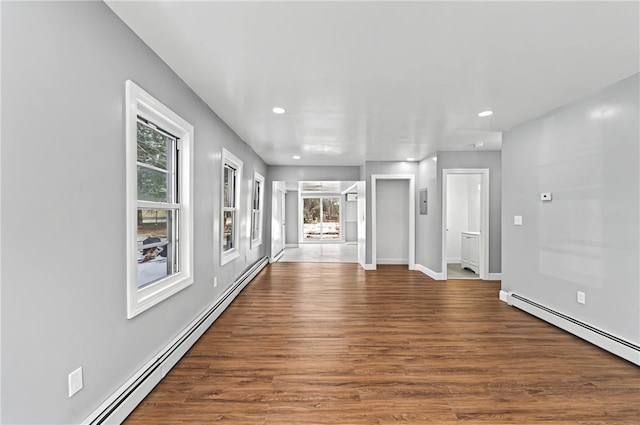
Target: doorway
[(393, 224), (465, 230)]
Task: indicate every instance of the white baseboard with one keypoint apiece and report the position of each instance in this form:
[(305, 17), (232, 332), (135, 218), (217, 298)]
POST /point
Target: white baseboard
[(351, 243), (116, 408), (454, 260), (399, 261), (621, 347), (277, 257), (366, 266), (429, 272), (495, 276), (292, 245), (504, 296)]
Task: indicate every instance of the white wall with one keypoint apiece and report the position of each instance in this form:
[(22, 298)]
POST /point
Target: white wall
[(64, 67), (457, 214), (463, 211), (392, 222), (588, 237)]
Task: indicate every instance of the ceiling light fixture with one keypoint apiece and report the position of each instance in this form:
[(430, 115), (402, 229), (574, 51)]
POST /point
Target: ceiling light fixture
[(296, 156), (478, 145), (411, 158), (279, 110), (485, 113), (435, 158)]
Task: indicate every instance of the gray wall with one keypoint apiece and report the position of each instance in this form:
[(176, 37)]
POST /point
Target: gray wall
[(64, 67), (392, 222), (291, 217), (429, 227), (350, 215), (587, 238)]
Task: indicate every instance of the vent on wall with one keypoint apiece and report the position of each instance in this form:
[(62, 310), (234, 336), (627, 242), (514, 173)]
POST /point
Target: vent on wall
[(614, 344)]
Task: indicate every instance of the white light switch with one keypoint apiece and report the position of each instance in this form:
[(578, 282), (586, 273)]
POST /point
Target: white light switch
[(582, 299), (517, 220)]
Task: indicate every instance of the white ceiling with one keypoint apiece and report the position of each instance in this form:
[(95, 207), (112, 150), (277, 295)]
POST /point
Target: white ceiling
[(385, 80)]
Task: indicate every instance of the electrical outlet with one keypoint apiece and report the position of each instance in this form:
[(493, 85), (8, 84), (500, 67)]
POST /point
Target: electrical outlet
[(215, 281), (75, 381), (582, 298)]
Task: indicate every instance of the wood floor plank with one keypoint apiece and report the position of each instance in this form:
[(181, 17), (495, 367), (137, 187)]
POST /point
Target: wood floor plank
[(334, 344)]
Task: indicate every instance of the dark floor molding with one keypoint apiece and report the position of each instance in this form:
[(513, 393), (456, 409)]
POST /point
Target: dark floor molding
[(120, 404)]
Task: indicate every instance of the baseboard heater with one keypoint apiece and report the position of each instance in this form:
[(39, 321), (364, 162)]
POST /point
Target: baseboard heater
[(616, 345), (116, 409)]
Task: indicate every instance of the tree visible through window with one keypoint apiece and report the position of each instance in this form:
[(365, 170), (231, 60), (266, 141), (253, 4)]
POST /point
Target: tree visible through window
[(158, 203)]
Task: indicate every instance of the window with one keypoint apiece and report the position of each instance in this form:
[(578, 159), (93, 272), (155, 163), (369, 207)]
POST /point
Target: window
[(321, 218), (231, 181), (159, 215), (256, 209)]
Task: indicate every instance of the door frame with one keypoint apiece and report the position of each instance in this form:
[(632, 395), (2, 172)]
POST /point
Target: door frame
[(276, 187), (484, 218), (412, 216)]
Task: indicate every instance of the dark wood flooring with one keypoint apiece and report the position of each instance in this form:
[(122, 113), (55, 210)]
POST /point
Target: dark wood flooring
[(333, 344)]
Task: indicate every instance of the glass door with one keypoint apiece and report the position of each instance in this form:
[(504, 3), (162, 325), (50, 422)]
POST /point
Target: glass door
[(321, 219)]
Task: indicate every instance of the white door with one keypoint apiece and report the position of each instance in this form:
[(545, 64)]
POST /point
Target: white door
[(277, 222)]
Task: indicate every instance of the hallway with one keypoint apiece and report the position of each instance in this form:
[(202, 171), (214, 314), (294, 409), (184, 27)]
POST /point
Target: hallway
[(333, 344)]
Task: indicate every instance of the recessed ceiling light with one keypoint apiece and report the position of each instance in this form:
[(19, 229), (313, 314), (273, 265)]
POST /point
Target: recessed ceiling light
[(411, 158), (478, 145), (296, 156), (435, 158), (482, 114), (279, 110)]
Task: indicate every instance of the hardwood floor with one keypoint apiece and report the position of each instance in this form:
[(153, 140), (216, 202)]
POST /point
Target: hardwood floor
[(333, 344)]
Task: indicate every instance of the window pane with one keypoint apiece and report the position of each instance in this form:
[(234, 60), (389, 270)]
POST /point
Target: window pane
[(156, 255), (255, 229), (152, 146), (153, 185), (228, 241), (229, 186), (256, 195), (311, 218), (331, 218)]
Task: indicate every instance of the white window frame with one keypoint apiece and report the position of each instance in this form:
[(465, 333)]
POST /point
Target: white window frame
[(139, 103), (229, 159), (257, 213)]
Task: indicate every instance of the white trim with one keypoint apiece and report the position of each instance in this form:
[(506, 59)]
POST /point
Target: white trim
[(412, 215), (292, 245), (141, 103), (454, 260), (495, 276), (484, 218), (230, 159), (504, 296), (366, 266), (433, 275), (257, 178), (277, 257), (351, 243)]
